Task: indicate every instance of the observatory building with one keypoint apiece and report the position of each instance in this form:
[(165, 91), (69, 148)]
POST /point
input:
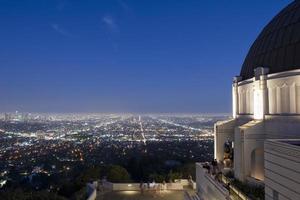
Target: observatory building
[(260, 146)]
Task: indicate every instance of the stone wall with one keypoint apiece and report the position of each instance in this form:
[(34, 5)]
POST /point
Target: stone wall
[(208, 187), (282, 170)]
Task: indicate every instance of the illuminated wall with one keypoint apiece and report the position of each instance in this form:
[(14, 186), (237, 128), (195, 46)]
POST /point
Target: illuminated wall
[(282, 169), (273, 94), (245, 97), (284, 94)]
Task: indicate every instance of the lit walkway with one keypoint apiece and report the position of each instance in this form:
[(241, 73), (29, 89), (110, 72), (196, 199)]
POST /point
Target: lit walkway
[(136, 195)]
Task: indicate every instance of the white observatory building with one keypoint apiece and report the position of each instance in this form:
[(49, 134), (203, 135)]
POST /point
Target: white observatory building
[(264, 132)]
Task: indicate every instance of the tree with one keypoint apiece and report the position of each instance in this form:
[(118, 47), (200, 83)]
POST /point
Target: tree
[(117, 174), (69, 188), (173, 175), (91, 174), (19, 194), (157, 177), (188, 170)]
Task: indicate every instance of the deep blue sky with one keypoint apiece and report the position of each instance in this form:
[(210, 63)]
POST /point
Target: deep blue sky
[(125, 55)]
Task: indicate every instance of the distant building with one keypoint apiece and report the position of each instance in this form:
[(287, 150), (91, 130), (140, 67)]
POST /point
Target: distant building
[(256, 144), (7, 117)]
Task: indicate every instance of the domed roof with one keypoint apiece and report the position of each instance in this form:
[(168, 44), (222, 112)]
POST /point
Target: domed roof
[(278, 45)]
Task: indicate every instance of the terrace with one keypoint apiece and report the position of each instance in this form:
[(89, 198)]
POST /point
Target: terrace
[(137, 195), (215, 185), (179, 190)]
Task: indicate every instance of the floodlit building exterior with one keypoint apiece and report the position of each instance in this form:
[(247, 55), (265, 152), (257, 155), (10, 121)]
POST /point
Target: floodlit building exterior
[(282, 165), (266, 115)]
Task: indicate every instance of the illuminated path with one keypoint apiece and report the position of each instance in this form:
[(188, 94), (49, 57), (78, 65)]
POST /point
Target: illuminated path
[(178, 125), (142, 130)]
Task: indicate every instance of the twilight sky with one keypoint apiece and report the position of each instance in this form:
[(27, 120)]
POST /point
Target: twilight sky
[(125, 55)]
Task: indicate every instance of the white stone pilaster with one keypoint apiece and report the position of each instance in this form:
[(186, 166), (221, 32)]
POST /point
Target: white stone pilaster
[(260, 98), (235, 97)]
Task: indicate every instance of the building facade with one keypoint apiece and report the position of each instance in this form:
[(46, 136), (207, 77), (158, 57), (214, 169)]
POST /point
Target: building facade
[(265, 108)]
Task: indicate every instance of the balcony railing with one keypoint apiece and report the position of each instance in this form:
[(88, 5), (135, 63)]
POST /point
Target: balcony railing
[(214, 173)]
